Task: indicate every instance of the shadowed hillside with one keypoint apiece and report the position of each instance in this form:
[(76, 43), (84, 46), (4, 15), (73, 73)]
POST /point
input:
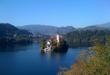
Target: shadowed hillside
[(11, 35)]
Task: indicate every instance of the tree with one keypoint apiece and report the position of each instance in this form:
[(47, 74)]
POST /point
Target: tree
[(96, 64)]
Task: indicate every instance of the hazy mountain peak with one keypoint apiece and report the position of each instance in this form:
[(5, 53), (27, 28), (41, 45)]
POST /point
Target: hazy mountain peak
[(103, 26), (47, 29)]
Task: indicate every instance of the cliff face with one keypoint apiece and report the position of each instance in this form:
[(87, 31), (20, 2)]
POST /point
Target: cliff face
[(55, 44)]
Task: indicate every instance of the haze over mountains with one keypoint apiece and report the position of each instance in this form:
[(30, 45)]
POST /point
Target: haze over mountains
[(74, 36), (50, 30), (46, 29), (98, 27)]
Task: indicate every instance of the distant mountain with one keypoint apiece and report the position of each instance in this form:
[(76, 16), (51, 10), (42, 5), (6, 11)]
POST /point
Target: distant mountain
[(7, 29), (92, 28), (10, 34), (46, 29), (65, 30), (105, 25), (98, 27), (85, 36)]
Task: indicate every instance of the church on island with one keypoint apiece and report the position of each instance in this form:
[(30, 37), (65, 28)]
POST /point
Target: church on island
[(55, 43)]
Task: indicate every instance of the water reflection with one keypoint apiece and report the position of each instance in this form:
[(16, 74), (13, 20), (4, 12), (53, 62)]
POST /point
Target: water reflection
[(53, 54), (28, 60), (13, 48)]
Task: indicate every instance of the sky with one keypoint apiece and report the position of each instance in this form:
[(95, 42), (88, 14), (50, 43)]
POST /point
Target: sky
[(77, 13)]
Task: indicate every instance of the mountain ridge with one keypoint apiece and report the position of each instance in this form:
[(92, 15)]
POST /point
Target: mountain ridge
[(46, 29), (50, 30), (10, 35)]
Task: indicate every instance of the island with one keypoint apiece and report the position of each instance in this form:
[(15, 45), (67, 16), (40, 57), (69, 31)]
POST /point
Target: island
[(55, 43)]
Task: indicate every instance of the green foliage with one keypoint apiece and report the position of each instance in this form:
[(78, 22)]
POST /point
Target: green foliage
[(81, 38), (42, 44), (10, 35), (97, 64)]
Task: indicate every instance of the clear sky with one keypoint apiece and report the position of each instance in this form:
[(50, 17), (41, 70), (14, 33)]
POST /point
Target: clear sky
[(77, 13)]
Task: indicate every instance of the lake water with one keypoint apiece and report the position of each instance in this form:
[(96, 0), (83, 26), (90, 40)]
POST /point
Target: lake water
[(27, 60)]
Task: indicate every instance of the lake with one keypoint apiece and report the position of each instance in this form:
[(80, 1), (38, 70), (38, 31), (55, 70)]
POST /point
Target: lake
[(28, 60)]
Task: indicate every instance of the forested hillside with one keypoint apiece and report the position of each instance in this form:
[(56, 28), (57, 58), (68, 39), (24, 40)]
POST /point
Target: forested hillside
[(9, 35), (84, 38)]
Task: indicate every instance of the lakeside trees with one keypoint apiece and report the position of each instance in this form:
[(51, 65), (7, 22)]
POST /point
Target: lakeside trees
[(84, 38), (96, 64)]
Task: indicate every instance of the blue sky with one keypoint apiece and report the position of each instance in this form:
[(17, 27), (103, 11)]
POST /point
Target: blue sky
[(78, 13)]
